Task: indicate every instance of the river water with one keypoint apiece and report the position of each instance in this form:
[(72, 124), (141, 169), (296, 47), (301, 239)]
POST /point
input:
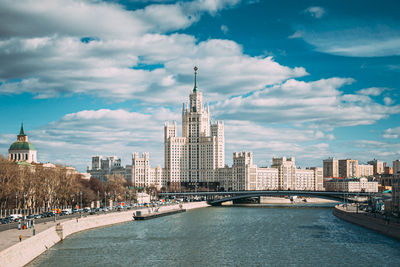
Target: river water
[(228, 236)]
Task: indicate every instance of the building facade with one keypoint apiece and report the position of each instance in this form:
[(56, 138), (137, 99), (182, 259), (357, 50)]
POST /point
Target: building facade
[(196, 156), (108, 166), (331, 168), (396, 166), (22, 150), (378, 166), (348, 168), (351, 185)]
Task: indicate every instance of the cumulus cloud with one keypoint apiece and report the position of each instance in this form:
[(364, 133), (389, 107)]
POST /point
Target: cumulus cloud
[(354, 38), (391, 133), (372, 91), (76, 137), (126, 55), (315, 11), (307, 103)]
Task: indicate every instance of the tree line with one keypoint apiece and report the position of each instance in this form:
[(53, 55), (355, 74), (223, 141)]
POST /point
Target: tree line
[(30, 186)]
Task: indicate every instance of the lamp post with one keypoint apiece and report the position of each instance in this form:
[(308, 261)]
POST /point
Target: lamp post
[(80, 207), (24, 204), (16, 200), (55, 209), (105, 200)]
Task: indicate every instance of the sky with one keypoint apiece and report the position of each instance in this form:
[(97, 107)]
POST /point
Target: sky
[(309, 79)]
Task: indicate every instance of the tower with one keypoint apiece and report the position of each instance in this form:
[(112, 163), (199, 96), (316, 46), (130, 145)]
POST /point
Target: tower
[(195, 157), (22, 150)]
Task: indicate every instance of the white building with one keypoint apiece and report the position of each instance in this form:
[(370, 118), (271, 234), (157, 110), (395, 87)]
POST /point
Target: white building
[(108, 166), (140, 173), (22, 150), (351, 185), (196, 156)]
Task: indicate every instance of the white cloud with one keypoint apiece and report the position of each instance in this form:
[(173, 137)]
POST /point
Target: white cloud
[(315, 11), (306, 103), (54, 61), (374, 39), (388, 101), (224, 29), (391, 133), (296, 34), (373, 91)]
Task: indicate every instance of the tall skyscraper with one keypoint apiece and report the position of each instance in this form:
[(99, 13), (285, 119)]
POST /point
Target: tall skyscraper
[(196, 156)]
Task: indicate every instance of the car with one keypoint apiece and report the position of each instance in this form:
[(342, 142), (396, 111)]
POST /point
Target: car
[(32, 216), (4, 221), (38, 216), (86, 209), (15, 217)]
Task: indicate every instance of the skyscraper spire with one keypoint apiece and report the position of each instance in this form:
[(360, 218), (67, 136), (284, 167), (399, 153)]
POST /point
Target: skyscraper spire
[(21, 132), (195, 79)]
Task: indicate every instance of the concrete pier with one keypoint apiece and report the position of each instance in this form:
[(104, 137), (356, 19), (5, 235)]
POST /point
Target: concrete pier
[(15, 253)]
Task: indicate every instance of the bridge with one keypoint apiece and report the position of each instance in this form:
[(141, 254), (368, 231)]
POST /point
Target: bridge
[(217, 198)]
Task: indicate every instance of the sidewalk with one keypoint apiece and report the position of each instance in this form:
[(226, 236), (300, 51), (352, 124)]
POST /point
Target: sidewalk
[(11, 237)]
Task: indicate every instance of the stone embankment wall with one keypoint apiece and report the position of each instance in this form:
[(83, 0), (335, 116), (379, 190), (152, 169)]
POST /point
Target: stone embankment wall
[(390, 229), (22, 253)]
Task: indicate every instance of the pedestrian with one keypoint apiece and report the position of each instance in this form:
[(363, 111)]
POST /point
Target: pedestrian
[(20, 238)]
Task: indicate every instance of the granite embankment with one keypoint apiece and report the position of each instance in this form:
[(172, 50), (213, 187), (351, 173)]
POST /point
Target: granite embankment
[(367, 220), (23, 252)]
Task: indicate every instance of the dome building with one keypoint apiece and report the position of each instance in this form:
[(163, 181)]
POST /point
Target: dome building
[(22, 150)]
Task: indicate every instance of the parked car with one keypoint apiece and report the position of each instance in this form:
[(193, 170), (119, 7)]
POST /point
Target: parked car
[(15, 217), (4, 221)]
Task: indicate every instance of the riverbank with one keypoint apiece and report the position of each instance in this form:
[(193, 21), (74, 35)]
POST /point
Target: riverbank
[(367, 220), (21, 253)]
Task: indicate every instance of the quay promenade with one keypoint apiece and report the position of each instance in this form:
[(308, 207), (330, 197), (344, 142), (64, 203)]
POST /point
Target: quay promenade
[(15, 253), (374, 222)]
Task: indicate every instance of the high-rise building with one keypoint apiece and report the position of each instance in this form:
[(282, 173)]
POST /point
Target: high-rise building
[(377, 165), (286, 169), (196, 156), (396, 166), (22, 150), (108, 166), (364, 170), (348, 168), (331, 168)]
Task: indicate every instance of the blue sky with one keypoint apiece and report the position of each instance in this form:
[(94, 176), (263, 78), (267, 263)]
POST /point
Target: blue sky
[(309, 79)]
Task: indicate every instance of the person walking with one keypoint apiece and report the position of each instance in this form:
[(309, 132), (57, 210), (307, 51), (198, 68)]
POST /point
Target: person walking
[(20, 238)]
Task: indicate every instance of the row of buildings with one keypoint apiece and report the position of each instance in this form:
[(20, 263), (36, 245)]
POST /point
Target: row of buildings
[(349, 168), (197, 160)]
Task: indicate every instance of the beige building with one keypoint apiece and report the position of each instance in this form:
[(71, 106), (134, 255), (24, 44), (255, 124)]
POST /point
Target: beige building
[(365, 170), (196, 156), (292, 178), (378, 166), (331, 168), (351, 185), (286, 172), (141, 174), (348, 168), (101, 167)]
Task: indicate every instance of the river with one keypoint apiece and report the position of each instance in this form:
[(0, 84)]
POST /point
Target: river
[(228, 236)]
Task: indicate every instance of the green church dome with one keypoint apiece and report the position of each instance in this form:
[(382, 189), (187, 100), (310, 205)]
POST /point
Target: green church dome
[(22, 146)]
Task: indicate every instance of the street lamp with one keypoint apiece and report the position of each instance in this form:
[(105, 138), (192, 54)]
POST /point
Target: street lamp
[(81, 204), (16, 200), (24, 204), (55, 209)]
